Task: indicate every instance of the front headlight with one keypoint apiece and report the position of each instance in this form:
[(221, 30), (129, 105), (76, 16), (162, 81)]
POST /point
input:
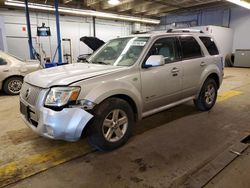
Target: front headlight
[(60, 96)]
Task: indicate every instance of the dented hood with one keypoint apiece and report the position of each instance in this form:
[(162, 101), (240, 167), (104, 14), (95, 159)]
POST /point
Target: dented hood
[(67, 74)]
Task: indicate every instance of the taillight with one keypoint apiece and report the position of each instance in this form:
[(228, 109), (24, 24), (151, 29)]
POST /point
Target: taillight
[(222, 62)]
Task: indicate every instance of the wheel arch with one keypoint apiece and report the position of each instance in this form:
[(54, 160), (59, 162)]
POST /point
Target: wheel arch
[(216, 79), (129, 100), (212, 75), (201, 99)]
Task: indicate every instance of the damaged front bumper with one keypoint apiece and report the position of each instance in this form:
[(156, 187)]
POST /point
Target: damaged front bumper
[(66, 124)]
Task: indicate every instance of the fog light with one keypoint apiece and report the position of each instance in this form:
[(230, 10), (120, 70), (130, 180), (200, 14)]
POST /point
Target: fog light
[(50, 131)]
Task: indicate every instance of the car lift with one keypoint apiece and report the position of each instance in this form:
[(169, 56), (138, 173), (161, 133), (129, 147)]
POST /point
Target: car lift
[(31, 48)]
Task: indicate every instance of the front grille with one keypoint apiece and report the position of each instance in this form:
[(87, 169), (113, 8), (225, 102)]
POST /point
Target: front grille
[(29, 115), (30, 93), (34, 123)]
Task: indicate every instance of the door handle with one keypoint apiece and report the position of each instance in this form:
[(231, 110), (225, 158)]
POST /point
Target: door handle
[(203, 64), (175, 70), (6, 70)]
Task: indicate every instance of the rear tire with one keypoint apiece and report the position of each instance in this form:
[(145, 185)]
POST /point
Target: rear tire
[(111, 125), (13, 85), (229, 60), (207, 96)]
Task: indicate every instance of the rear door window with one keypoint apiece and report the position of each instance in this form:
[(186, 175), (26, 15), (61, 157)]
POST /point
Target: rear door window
[(2, 61), (190, 48), (210, 45)]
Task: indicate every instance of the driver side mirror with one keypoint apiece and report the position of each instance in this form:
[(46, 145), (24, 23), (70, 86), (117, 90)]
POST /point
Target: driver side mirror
[(154, 61)]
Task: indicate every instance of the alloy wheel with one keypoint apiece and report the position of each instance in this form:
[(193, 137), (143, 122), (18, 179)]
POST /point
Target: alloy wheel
[(15, 86), (115, 125), (210, 94)]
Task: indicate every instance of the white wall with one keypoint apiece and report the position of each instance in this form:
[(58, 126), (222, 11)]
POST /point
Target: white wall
[(236, 17), (3, 43), (240, 23), (71, 27)]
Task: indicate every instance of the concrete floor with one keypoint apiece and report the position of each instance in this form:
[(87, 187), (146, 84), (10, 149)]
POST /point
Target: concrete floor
[(235, 175), (167, 149)]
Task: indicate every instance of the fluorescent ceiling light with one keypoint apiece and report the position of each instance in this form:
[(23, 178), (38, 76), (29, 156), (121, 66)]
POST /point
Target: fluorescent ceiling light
[(114, 2), (82, 12), (240, 3)]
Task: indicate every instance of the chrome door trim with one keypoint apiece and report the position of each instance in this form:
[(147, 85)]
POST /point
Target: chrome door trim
[(162, 108)]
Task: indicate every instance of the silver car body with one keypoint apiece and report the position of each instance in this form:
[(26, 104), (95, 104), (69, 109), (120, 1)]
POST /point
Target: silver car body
[(148, 90), (15, 67)]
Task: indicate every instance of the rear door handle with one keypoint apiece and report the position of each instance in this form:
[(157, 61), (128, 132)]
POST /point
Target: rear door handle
[(6, 70), (175, 71), (203, 64)]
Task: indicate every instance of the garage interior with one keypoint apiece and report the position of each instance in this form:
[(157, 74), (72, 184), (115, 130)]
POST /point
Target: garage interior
[(178, 147)]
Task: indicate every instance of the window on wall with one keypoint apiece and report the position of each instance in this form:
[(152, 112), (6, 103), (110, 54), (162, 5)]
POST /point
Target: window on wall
[(190, 48), (165, 47), (2, 61), (210, 45)]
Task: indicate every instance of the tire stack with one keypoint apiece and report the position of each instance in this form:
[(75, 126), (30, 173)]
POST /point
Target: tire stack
[(229, 60)]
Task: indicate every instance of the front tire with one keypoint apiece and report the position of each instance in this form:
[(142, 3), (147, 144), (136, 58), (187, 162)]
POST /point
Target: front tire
[(207, 96), (112, 124), (13, 85)]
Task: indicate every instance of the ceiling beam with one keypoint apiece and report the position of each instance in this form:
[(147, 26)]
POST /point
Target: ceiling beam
[(106, 5), (130, 5), (214, 4), (125, 7), (142, 8), (159, 11), (162, 2), (92, 2)]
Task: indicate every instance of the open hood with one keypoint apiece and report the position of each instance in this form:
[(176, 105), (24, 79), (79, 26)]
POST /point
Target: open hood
[(92, 42)]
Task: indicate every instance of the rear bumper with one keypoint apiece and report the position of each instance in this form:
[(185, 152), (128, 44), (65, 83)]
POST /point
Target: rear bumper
[(67, 124)]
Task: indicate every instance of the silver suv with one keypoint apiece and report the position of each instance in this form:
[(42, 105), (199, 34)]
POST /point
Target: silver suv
[(125, 80)]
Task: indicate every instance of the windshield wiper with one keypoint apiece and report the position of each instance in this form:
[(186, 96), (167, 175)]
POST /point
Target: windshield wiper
[(87, 61), (101, 62)]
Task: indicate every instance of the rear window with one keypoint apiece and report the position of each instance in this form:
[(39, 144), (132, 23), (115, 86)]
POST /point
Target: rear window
[(210, 45), (190, 48)]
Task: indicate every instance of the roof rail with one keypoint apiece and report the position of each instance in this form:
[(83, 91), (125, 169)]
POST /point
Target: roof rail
[(140, 32), (184, 31)]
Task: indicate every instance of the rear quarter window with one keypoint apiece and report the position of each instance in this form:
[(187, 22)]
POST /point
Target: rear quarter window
[(210, 45), (190, 48)]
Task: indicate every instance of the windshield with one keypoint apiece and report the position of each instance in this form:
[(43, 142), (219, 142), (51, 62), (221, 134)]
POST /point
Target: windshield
[(15, 57), (120, 51), (7, 56)]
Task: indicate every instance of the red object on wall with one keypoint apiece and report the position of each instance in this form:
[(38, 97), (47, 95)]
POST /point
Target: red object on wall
[(23, 28)]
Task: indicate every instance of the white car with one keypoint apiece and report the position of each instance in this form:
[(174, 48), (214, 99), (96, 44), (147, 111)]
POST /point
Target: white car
[(12, 72)]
